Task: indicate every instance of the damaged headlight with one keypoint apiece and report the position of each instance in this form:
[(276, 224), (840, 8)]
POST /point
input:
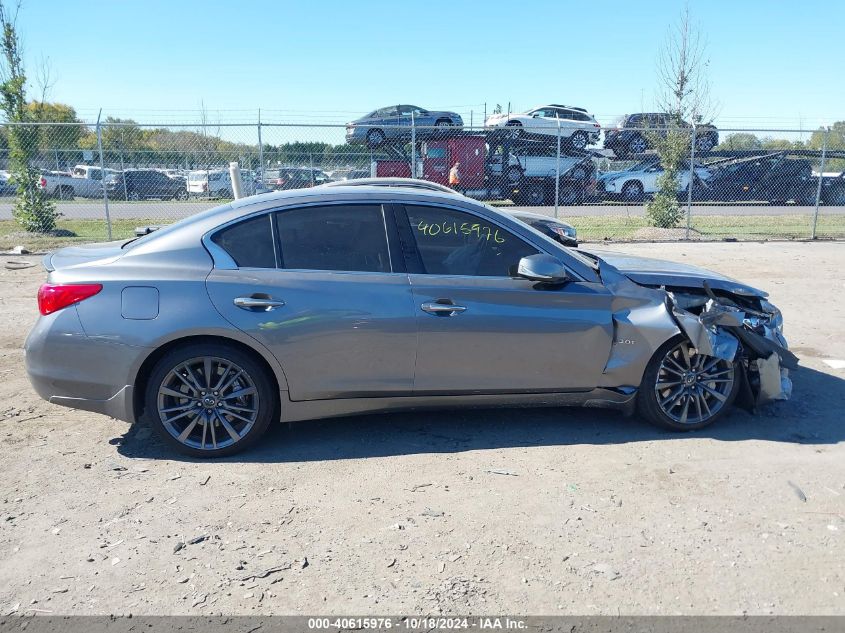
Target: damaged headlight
[(775, 316)]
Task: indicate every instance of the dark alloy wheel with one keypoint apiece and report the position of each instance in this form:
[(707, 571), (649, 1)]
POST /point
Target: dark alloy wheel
[(133, 195), (637, 145), (209, 400), (443, 123), (684, 390), (514, 129), (375, 138)]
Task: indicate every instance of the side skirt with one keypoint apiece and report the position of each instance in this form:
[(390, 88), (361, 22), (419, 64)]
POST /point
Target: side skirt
[(620, 399)]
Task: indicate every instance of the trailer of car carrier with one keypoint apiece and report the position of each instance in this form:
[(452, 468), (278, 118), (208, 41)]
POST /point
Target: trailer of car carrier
[(493, 166)]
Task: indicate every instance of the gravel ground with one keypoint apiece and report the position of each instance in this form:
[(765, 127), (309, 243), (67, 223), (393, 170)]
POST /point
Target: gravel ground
[(517, 511)]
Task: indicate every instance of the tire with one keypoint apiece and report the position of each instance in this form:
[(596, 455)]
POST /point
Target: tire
[(513, 174), (224, 194), (443, 123), (67, 192), (687, 400), (637, 145), (514, 129), (170, 400), (632, 191), (568, 195), (704, 144), (836, 197), (533, 194), (375, 138), (181, 195), (579, 140), (133, 195)]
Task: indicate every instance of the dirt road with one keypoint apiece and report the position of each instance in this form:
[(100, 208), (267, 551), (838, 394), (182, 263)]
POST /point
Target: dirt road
[(518, 511)]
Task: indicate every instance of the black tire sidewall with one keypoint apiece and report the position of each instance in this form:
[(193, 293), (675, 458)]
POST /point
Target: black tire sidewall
[(267, 397)]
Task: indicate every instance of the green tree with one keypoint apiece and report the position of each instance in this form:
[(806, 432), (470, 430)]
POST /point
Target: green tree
[(61, 137), (32, 208), (835, 141), (684, 94), (740, 141)]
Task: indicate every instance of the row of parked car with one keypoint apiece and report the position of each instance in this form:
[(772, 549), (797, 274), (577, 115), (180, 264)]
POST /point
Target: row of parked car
[(631, 134)]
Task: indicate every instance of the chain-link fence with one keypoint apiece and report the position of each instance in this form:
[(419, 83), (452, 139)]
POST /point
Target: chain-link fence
[(108, 179)]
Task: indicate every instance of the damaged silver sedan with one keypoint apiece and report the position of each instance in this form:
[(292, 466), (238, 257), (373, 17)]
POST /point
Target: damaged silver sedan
[(334, 301)]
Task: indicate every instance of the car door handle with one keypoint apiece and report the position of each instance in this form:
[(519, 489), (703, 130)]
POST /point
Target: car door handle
[(258, 303), (442, 308)]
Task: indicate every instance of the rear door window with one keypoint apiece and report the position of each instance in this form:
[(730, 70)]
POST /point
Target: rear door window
[(343, 237)]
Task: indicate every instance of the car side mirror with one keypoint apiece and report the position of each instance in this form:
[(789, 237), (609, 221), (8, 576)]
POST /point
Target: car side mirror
[(544, 268)]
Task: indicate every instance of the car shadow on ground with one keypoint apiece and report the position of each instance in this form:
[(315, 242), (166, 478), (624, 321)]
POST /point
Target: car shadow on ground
[(812, 417)]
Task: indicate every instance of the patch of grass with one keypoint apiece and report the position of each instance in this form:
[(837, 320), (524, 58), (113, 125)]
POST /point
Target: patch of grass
[(83, 231)]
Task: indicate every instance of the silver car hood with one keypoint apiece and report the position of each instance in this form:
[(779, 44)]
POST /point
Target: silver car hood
[(658, 272)]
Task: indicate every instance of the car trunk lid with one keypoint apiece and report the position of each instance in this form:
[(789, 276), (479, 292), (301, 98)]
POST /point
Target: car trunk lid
[(84, 254)]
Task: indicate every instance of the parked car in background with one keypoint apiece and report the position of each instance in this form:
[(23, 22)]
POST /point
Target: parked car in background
[(530, 177), (578, 128), (640, 180), (350, 174), (394, 123), (217, 183), (551, 227), (775, 178), (264, 321), (633, 133), (141, 184), (7, 187), (285, 178), (80, 182)]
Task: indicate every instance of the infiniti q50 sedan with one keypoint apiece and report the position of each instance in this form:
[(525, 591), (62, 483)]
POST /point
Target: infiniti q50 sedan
[(333, 301)]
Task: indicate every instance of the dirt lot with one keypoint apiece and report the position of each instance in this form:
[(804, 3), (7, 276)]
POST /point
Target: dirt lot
[(519, 511)]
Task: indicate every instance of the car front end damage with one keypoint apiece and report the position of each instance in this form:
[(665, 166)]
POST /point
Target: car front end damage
[(744, 329), (721, 318)]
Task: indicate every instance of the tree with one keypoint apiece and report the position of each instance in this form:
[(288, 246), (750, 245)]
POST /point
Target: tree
[(58, 137), (740, 141), (684, 94), (32, 209), (835, 141)]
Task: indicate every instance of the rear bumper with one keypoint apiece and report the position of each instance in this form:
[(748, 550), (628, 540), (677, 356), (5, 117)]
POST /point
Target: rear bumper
[(68, 368)]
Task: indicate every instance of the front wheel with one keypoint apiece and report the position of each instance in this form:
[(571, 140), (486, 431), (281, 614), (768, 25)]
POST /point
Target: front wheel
[(209, 400), (683, 390), (182, 194)]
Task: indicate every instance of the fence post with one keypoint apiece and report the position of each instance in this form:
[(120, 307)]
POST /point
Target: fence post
[(123, 173), (413, 146), (61, 193), (311, 162), (260, 150), (557, 169), (103, 174), (691, 178), (235, 177), (819, 187)]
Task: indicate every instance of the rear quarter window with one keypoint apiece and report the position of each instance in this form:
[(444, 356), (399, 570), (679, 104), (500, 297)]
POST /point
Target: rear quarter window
[(248, 243)]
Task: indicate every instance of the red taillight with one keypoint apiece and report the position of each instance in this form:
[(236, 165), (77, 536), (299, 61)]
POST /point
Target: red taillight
[(54, 297), (43, 182)]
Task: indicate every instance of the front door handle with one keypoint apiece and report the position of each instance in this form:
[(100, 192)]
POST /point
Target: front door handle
[(258, 303), (442, 307)]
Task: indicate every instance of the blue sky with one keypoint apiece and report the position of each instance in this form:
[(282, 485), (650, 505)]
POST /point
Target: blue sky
[(772, 63)]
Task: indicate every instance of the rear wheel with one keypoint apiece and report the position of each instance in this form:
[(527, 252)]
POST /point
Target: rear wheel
[(632, 191), (637, 145), (443, 123), (513, 175), (133, 195), (209, 400), (182, 194), (579, 140), (704, 144), (683, 390)]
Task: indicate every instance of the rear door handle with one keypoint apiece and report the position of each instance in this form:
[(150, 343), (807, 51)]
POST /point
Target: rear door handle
[(259, 304), (442, 308)]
